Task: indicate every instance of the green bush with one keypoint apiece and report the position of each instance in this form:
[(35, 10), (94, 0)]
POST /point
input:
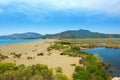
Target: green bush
[(64, 42), (10, 71), (90, 71), (6, 67), (78, 69), (82, 75), (71, 52), (56, 47), (58, 69), (61, 76), (75, 47)]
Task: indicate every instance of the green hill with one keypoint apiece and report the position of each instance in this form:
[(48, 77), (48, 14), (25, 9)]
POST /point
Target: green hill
[(28, 35), (76, 34)]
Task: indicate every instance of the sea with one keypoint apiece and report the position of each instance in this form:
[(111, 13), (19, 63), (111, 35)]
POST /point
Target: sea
[(11, 41)]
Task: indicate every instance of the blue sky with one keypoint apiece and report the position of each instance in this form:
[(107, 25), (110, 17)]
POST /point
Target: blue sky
[(52, 16)]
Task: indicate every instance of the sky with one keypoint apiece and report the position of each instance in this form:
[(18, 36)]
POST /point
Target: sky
[(53, 16)]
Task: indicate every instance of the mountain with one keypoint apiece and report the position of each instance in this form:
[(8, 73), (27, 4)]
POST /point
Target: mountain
[(28, 35), (71, 34), (76, 34)]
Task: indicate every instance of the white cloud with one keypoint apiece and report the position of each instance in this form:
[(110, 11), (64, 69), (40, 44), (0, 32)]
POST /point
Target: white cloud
[(109, 7)]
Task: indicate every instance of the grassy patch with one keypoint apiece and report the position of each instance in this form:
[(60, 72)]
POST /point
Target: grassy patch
[(61, 76), (73, 52), (91, 70)]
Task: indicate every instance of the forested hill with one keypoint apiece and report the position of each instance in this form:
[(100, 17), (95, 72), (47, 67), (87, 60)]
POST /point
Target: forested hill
[(28, 35), (76, 34), (71, 34)]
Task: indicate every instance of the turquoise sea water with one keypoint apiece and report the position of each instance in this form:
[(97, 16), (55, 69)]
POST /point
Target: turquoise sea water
[(109, 56), (9, 41)]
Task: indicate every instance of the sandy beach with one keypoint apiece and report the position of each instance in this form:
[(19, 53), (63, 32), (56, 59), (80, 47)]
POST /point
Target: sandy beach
[(32, 49)]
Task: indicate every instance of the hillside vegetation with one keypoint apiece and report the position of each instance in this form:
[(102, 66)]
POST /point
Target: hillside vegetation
[(28, 35), (70, 34), (77, 34)]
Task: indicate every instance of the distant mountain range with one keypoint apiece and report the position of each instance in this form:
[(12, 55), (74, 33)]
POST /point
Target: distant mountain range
[(28, 35), (76, 34), (71, 34)]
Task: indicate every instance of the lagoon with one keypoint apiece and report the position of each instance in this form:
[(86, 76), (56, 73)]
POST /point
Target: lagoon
[(109, 56)]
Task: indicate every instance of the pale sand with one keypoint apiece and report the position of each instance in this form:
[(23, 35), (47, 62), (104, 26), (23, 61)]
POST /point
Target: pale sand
[(32, 49)]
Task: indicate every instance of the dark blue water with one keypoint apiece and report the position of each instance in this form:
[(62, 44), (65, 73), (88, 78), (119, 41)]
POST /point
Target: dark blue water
[(9, 41), (109, 56)]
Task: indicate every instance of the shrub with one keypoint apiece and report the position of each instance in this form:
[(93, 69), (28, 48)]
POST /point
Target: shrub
[(90, 71), (30, 57), (64, 42), (58, 69), (75, 47), (16, 55), (71, 52), (78, 69), (61, 76), (56, 47), (82, 75), (36, 45), (49, 49), (6, 67), (73, 64), (40, 54), (10, 71), (2, 57)]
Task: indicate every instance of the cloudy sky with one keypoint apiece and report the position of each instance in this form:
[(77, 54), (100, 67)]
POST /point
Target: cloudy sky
[(52, 16)]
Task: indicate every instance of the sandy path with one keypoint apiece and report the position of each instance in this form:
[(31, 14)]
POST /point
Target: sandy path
[(32, 49)]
